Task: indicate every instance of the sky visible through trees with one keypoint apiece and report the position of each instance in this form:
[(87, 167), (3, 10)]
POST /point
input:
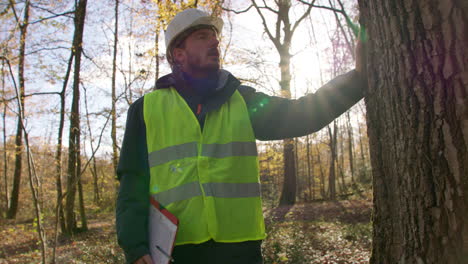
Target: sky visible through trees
[(250, 56)]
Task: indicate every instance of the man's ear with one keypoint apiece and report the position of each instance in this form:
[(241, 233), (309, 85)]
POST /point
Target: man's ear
[(179, 55)]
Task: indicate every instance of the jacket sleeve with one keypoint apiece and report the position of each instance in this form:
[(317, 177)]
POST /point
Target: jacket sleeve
[(133, 198), (279, 118)]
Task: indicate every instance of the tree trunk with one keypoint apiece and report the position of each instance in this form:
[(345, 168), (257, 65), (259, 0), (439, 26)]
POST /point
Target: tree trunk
[(74, 170), (332, 171), (350, 145), (417, 105), (322, 175), (288, 194), (115, 154), (5, 154), (84, 221), (93, 169), (282, 38), (58, 154), (341, 165), (94, 172), (15, 192), (363, 173), (59, 215), (156, 47), (309, 167)]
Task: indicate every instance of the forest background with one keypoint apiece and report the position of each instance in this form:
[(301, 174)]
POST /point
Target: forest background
[(70, 70)]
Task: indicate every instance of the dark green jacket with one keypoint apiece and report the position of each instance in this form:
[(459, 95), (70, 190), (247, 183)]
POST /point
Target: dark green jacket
[(272, 118)]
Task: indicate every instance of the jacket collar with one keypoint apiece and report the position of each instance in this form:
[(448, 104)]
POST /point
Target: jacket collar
[(226, 86), (224, 78)]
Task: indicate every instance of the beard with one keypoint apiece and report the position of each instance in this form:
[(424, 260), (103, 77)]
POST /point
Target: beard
[(204, 63)]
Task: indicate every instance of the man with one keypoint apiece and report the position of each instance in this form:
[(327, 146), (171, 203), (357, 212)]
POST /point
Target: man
[(191, 145)]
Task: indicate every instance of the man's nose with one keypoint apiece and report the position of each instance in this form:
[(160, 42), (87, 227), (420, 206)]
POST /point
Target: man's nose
[(214, 41)]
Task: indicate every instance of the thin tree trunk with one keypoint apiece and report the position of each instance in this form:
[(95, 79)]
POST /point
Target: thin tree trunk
[(309, 181), (350, 145), (417, 105), (129, 88), (74, 170), (96, 196), (156, 47), (84, 221), (288, 194), (5, 153), (363, 173), (296, 164), (282, 39), (15, 192), (322, 175), (332, 172), (33, 179), (115, 154), (341, 164), (34, 185), (59, 215)]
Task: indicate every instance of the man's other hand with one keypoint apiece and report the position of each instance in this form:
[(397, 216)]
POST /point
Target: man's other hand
[(146, 259)]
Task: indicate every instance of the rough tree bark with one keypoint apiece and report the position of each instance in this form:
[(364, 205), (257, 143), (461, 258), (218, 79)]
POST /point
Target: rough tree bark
[(417, 114), (73, 172)]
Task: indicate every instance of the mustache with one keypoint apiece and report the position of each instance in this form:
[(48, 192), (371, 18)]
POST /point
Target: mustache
[(213, 52)]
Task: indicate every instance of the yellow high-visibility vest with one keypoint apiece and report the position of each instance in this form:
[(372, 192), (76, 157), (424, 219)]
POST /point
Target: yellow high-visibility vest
[(210, 179)]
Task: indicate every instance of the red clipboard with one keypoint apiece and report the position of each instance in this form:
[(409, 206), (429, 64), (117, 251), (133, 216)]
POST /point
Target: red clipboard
[(162, 230)]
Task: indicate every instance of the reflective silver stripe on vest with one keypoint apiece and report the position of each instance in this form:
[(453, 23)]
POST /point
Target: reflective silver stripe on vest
[(164, 155), (178, 193), (230, 149), (232, 190)]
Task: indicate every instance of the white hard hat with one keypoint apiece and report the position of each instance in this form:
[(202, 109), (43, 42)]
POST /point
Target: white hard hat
[(187, 19)]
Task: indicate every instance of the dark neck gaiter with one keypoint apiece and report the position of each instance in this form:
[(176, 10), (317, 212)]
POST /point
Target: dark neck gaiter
[(204, 86)]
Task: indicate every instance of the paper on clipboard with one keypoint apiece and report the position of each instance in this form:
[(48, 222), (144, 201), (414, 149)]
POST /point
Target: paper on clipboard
[(162, 232)]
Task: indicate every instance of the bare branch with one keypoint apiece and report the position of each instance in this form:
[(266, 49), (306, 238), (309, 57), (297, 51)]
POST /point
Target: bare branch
[(306, 13), (91, 59), (4, 11), (3, 100), (54, 16), (349, 44), (12, 4), (42, 93), (267, 30), (268, 8), (53, 13), (42, 49), (323, 7), (10, 70), (235, 11)]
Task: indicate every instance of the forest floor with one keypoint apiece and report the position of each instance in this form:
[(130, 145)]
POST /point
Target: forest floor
[(316, 232)]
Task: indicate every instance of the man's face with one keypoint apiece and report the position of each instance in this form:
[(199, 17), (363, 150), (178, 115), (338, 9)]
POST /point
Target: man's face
[(199, 54)]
